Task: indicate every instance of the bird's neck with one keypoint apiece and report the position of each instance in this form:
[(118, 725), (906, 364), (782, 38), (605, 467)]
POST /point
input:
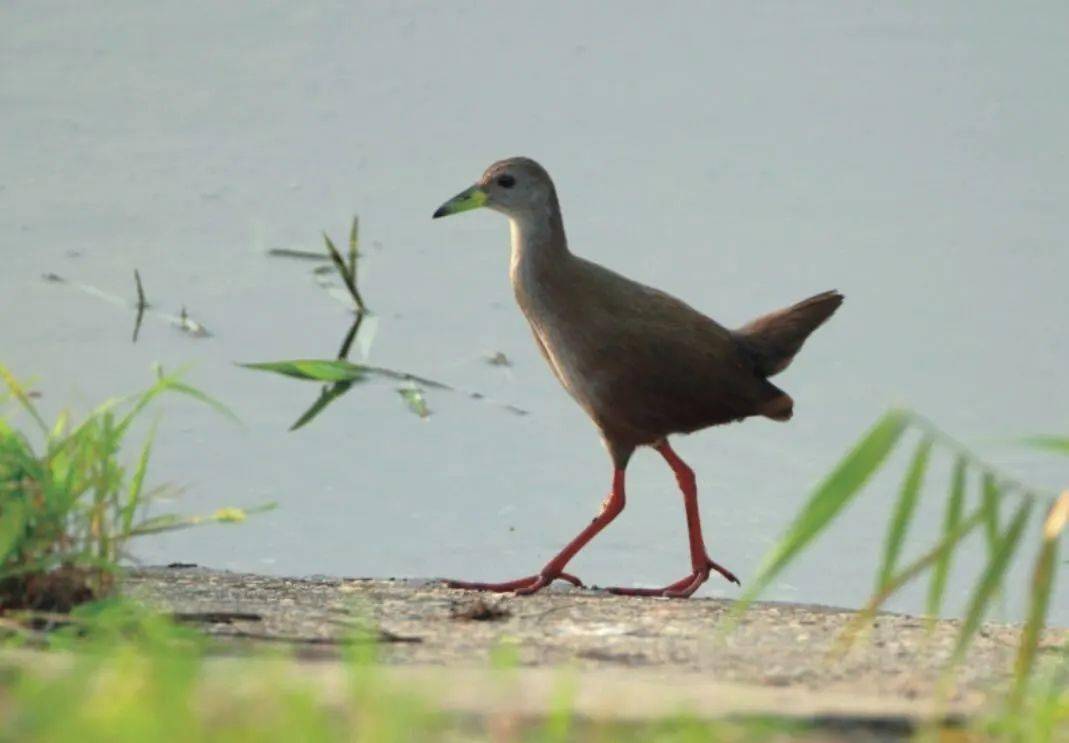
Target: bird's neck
[(539, 247)]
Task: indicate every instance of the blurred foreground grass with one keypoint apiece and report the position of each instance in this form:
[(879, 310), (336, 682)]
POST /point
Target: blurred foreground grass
[(119, 672)]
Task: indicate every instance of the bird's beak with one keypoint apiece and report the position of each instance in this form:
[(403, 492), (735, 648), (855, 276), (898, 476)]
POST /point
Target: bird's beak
[(471, 198)]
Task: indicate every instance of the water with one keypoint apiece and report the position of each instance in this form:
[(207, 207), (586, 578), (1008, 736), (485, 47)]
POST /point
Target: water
[(912, 156)]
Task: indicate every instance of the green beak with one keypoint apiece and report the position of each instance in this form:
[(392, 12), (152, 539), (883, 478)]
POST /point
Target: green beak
[(471, 198)]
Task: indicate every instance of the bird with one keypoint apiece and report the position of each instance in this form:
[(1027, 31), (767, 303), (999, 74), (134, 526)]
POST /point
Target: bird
[(641, 363)]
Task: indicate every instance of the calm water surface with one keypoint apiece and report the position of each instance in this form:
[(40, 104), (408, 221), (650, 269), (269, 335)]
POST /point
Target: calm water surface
[(911, 155)]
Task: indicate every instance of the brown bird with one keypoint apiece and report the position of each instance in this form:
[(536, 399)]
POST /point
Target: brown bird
[(640, 362)]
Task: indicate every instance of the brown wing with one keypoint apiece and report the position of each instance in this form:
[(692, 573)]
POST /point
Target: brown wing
[(662, 367)]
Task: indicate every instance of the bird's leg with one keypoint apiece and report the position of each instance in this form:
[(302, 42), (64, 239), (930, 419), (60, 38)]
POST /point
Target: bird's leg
[(554, 569), (700, 562)]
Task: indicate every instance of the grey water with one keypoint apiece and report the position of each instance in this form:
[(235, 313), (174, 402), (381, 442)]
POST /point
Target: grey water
[(912, 155)]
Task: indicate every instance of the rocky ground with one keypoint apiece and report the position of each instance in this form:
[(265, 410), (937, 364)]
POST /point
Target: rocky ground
[(628, 657)]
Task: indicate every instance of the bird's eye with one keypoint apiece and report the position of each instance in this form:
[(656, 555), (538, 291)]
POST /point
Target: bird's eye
[(506, 181)]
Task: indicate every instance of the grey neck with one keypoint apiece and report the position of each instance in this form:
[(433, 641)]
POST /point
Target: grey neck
[(538, 242)]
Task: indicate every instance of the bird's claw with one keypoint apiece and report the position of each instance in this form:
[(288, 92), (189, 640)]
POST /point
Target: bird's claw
[(521, 586), (681, 589)]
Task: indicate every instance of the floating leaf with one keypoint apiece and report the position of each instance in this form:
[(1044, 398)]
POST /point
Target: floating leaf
[(188, 325), (319, 370), (306, 255), (829, 498), (413, 397), (956, 500), (907, 502)]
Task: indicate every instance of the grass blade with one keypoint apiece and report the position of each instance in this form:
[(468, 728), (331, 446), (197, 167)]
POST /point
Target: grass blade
[(12, 524), (173, 522), (1039, 596), (1058, 444), (937, 587), (830, 497), (137, 482), (991, 495), (20, 394), (908, 573), (904, 509), (991, 579), (319, 370), (208, 400)]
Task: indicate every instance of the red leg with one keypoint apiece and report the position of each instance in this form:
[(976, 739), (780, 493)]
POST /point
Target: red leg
[(554, 569), (700, 563)]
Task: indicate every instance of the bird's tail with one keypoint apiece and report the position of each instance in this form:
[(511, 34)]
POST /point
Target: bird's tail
[(775, 338)]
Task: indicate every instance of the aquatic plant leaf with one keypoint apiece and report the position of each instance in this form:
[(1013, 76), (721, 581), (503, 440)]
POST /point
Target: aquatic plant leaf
[(366, 337), (330, 393), (306, 255), (904, 509), (319, 370), (354, 242), (350, 335), (844, 482), (1059, 444), (1039, 595), (348, 276), (413, 397), (951, 519), (991, 578)]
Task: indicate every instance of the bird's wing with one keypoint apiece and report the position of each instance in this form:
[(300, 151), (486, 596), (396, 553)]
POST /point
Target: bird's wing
[(659, 366)]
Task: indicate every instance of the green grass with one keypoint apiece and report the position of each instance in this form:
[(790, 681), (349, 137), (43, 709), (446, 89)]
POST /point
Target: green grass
[(72, 497), (966, 511)]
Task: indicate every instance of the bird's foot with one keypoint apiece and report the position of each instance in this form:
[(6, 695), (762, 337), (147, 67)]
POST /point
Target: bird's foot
[(683, 588), (521, 586)]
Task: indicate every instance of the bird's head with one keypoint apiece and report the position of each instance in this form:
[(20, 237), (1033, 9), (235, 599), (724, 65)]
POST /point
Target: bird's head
[(515, 187)]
